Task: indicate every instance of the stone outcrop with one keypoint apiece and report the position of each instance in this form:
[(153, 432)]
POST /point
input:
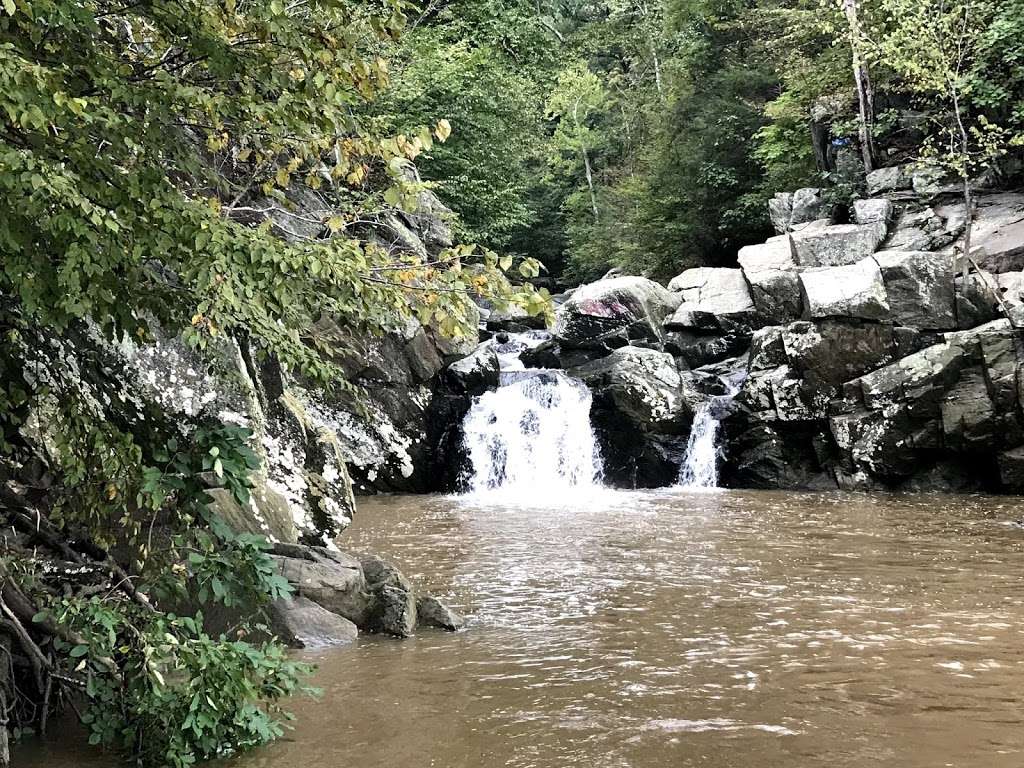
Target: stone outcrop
[(789, 210), (335, 593), (613, 313), (864, 363)]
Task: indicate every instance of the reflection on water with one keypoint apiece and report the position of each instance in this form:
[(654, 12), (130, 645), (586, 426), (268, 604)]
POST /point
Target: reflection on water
[(673, 629)]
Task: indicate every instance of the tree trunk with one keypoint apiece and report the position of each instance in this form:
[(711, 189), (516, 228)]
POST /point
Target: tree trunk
[(965, 149), (590, 181), (865, 95)]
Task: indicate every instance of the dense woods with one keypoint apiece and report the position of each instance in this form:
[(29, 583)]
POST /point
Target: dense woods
[(648, 134), (147, 147)]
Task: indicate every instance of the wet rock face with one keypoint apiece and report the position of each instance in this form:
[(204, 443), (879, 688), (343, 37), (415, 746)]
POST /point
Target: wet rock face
[(642, 407)]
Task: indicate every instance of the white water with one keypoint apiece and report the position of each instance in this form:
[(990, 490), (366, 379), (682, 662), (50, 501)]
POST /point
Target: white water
[(700, 467), (531, 439)]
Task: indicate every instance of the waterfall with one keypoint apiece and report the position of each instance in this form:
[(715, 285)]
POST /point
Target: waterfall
[(700, 466), (531, 437)]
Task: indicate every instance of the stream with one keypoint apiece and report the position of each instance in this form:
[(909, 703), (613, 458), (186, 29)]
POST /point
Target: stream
[(668, 628)]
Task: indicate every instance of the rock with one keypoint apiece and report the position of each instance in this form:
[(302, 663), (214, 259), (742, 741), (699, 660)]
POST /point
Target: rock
[(837, 245), (855, 290), (611, 313), (476, 373), (771, 271), (642, 409), (787, 210), (770, 456), (767, 349), (431, 612), (696, 348), (829, 352), (643, 384), (873, 211), (711, 297), (393, 608), (976, 302), (926, 229), (893, 179), (969, 418), (919, 287), (332, 580), (301, 623), (1011, 470), (929, 179), (998, 232)]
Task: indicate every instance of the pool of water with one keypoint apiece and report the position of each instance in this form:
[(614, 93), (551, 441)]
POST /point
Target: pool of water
[(760, 629)]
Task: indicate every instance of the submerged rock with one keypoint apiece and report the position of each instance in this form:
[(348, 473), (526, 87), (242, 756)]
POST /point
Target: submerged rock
[(431, 612), (301, 623)]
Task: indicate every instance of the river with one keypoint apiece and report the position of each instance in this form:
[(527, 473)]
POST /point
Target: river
[(717, 629)]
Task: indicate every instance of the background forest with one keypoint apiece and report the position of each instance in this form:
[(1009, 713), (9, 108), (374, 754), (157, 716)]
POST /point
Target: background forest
[(648, 134)]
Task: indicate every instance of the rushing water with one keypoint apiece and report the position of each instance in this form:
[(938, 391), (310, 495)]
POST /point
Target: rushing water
[(700, 464), (531, 437), (735, 629)]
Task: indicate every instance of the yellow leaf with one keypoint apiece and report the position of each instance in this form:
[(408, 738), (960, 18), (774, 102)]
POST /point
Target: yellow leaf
[(443, 130)]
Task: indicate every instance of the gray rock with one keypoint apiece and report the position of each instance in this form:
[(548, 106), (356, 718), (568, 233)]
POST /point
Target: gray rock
[(431, 612), (1011, 470), (893, 179), (998, 232), (767, 349), (855, 291), (827, 353), (301, 623), (976, 302), (926, 229), (393, 607), (788, 210), (476, 373), (332, 580), (642, 384), (771, 271), (721, 294), (919, 287), (610, 313), (873, 211), (837, 245), (969, 418)]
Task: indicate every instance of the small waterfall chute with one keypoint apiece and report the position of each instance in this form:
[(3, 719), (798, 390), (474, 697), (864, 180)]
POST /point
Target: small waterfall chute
[(531, 437), (699, 470)]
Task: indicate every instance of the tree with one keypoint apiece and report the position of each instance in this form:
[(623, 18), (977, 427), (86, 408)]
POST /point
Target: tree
[(935, 46), (577, 97), (141, 145)]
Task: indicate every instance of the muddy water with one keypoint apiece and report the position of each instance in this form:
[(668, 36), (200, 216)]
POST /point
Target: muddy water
[(669, 629)]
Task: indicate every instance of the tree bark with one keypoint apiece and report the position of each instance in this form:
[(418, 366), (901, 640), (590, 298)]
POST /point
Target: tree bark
[(865, 94)]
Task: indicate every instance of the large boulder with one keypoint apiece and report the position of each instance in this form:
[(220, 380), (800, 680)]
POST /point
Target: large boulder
[(855, 291), (827, 353), (300, 623), (873, 211), (718, 294), (393, 606), (837, 245), (926, 228), (998, 232), (896, 178), (642, 409), (476, 372), (919, 287), (333, 580), (771, 271), (611, 313), (788, 210)]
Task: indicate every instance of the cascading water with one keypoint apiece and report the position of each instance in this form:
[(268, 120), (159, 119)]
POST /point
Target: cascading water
[(531, 437), (700, 466)]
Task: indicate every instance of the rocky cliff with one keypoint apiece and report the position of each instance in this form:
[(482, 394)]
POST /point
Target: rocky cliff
[(857, 358)]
